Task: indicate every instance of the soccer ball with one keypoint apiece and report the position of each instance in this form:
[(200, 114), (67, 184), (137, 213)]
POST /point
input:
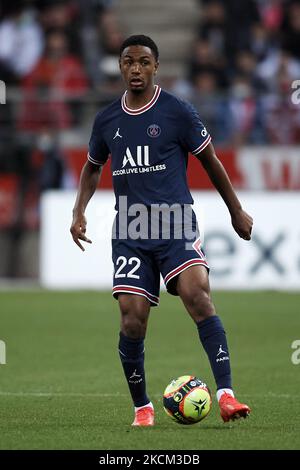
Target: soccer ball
[(187, 400)]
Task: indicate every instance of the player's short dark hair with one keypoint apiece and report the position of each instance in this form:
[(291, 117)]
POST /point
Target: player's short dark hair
[(140, 40)]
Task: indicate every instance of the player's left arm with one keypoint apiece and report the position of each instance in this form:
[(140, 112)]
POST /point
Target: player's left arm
[(241, 221)]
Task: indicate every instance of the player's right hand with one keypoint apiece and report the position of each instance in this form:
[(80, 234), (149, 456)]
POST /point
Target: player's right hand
[(78, 229)]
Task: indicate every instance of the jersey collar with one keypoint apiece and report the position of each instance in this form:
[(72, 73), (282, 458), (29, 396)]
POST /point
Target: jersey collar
[(144, 108)]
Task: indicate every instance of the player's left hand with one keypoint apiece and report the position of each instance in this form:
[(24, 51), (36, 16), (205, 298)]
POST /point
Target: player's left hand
[(242, 224)]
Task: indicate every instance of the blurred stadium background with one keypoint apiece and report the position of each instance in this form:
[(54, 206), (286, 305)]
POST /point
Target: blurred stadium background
[(236, 61), (239, 63)]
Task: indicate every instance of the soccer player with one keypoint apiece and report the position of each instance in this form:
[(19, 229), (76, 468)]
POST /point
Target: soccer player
[(148, 134)]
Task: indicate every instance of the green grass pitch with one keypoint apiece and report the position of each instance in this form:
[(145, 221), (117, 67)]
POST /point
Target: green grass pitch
[(63, 388)]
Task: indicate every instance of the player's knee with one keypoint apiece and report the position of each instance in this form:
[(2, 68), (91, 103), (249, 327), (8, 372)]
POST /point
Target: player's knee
[(133, 326), (134, 318), (199, 302), (200, 297)]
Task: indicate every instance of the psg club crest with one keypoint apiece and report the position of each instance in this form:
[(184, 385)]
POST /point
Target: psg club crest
[(153, 130)]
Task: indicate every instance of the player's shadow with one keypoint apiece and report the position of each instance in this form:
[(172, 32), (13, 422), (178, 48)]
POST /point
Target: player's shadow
[(198, 428)]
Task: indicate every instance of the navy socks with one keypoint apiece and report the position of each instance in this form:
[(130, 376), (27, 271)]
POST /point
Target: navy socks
[(213, 339), (132, 357)]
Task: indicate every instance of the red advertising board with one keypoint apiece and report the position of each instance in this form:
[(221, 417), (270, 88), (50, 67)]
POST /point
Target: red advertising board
[(197, 177), (8, 199)]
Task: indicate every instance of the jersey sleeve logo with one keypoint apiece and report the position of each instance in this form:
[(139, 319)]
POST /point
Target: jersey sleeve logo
[(153, 130)]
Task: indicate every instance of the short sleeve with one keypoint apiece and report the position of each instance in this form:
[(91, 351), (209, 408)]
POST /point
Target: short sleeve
[(194, 136), (98, 150)]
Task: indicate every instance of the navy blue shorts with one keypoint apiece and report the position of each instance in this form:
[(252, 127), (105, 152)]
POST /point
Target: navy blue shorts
[(139, 263)]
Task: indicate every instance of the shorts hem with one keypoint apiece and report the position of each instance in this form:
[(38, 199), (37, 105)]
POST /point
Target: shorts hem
[(125, 289), (182, 267)]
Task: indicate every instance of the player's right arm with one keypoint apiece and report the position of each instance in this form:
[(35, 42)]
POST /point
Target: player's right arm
[(88, 183), (89, 179)]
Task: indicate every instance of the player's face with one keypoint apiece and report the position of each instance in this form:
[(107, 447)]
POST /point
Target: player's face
[(138, 67)]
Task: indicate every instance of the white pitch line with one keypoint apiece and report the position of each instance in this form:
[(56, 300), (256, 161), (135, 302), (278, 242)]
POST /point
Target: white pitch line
[(115, 395), (61, 394)]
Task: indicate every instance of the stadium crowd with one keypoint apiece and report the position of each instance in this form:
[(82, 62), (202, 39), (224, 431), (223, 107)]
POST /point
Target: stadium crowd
[(245, 57), (242, 63), (239, 74)]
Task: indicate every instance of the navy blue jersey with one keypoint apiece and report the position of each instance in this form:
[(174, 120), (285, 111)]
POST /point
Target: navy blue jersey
[(149, 148)]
